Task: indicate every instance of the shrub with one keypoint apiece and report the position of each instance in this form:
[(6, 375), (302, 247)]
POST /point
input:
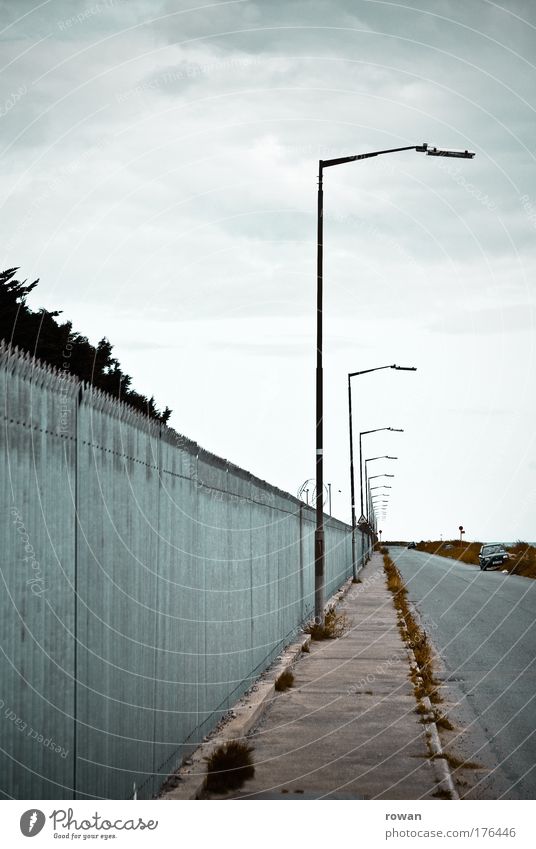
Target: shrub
[(335, 624), (229, 766), (285, 680)]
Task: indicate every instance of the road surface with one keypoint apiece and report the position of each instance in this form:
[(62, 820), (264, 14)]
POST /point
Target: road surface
[(483, 624)]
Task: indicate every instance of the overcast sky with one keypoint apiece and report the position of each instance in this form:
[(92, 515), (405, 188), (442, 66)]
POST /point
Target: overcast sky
[(158, 174)]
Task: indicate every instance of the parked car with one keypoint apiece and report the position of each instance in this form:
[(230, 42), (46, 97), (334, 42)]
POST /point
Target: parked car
[(492, 555), (412, 545)]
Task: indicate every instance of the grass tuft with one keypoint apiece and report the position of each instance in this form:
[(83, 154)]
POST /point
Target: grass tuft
[(229, 766), (441, 794), (443, 721), (285, 680), (457, 763), (335, 624)]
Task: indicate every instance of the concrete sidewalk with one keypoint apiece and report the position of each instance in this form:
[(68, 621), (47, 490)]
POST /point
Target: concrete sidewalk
[(348, 727)]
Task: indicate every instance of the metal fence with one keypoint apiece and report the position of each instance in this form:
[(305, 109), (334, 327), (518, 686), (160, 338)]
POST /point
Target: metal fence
[(145, 585)]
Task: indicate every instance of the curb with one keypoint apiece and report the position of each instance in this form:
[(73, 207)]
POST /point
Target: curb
[(440, 764), (243, 716)]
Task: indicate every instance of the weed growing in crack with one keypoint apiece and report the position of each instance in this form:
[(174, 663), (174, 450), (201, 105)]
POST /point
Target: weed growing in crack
[(285, 680), (229, 766)]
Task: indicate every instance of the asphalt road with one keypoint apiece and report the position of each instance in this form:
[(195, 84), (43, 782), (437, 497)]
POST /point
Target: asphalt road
[(483, 624)]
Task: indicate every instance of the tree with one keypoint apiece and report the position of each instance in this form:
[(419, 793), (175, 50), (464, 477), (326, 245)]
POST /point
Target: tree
[(42, 335)]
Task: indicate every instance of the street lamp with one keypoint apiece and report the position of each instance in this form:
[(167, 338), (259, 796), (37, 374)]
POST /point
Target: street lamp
[(319, 413), (352, 482), (368, 488)]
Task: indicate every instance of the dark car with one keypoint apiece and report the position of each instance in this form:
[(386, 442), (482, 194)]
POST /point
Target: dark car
[(492, 555), (412, 545)]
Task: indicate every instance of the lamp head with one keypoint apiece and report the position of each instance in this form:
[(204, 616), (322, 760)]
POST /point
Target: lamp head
[(443, 151)]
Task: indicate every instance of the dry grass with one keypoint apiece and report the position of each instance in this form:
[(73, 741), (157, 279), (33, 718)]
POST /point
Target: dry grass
[(394, 582), (457, 763), (465, 552), (522, 559), (335, 624), (424, 682), (229, 766), (522, 555), (443, 721), (441, 794), (285, 680)]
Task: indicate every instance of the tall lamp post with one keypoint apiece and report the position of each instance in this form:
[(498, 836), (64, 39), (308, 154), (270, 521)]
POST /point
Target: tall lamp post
[(319, 413)]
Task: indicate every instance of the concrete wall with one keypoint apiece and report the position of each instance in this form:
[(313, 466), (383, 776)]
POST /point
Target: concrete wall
[(145, 584)]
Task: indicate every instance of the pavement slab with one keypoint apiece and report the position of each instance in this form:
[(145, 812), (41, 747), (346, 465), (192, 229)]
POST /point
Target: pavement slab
[(348, 727)]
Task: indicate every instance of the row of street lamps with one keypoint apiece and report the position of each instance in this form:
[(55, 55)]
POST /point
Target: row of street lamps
[(380, 506), (319, 532), (367, 519)]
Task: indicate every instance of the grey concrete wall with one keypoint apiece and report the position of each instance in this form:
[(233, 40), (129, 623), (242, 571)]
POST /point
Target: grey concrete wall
[(145, 585)]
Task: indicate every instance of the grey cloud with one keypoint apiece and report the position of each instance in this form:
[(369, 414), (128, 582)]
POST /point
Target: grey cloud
[(279, 347), (485, 322), (474, 411), (194, 196)]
